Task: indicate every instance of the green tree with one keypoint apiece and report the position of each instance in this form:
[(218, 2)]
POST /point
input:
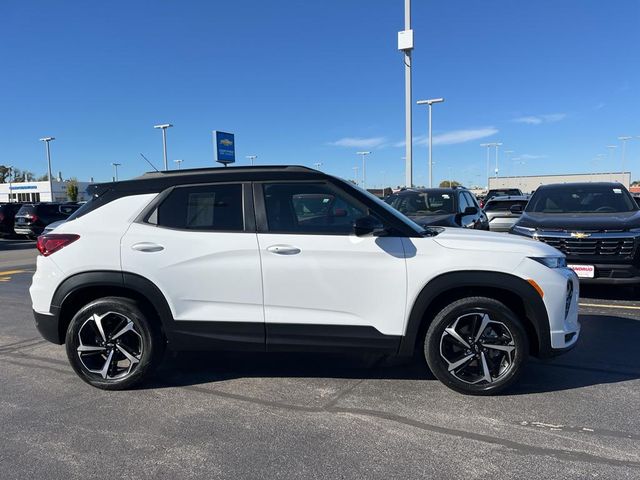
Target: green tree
[(4, 174), (448, 183), (72, 190)]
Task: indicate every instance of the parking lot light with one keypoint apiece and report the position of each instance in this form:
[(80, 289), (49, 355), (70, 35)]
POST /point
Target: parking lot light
[(252, 158), (364, 168), (115, 169), (429, 103), (46, 140), (179, 163), (164, 127)]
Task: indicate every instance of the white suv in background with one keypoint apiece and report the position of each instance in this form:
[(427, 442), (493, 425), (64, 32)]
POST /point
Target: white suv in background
[(288, 258)]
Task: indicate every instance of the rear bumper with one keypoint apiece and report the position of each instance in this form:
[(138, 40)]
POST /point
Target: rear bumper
[(33, 231), (48, 326)]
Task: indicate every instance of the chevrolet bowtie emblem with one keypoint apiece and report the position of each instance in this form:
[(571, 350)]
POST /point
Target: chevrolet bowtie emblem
[(580, 235)]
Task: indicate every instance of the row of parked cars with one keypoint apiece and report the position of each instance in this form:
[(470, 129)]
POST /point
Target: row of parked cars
[(596, 225), (32, 219)]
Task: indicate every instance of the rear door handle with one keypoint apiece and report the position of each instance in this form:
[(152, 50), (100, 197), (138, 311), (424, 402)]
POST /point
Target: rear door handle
[(284, 249), (147, 247)]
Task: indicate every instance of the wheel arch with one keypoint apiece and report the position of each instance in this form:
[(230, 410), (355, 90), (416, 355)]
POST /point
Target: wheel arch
[(78, 290), (515, 292)]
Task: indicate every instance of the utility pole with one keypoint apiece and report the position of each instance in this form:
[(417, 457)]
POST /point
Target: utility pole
[(164, 127), (429, 103), (115, 168), (364, 169), (405, 44), (46, 140)]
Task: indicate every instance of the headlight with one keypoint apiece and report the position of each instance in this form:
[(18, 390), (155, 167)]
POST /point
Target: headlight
[(551, 262), (524, 230)]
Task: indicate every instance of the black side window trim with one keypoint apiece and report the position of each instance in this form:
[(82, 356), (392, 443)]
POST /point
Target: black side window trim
[(262, 224), (249, 224)]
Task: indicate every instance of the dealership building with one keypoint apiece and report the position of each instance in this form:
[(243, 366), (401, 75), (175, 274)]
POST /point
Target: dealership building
[(40, 191), (530, 183)]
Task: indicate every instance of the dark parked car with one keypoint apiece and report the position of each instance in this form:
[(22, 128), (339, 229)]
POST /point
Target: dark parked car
[(597, 226), (446, 207), (32, 218), (503, 212), (500, 192), (7, 215)]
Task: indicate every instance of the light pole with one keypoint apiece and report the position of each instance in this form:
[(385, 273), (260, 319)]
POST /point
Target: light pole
[(355, 174), (46, 140), (430, 102), (115, 169), (164, 127), (488, 145), (317, 165), (252, 158), (179, 162), (624, 147), (10, 171), (405, 44), (364, 169)]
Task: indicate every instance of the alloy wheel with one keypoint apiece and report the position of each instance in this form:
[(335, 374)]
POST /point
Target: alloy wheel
[(109, 345), (477, 349)]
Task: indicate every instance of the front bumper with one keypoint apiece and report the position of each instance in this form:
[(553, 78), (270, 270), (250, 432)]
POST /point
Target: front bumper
[(610, 273)]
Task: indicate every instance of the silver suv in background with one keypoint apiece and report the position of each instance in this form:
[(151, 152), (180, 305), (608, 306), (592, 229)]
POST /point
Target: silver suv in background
[(503, 212)]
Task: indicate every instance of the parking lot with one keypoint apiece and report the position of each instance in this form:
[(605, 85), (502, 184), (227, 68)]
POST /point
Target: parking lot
[(320, 416)]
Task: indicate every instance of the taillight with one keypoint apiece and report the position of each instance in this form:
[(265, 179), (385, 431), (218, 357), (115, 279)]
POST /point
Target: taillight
[(52, 242), (34, 218)]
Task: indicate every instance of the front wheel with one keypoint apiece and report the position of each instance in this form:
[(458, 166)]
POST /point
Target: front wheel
[(476, 346), (112, 344)]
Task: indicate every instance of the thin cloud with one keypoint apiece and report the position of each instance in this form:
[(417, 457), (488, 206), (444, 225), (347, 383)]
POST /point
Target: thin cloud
[(359, 142), (454, 137), (539, 119), (528, 156)]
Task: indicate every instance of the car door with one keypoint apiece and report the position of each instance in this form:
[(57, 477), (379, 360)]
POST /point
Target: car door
[(198, 245), (322, 284)]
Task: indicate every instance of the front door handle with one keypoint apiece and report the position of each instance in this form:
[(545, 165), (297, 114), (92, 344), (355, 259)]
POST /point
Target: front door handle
[(147, 247), (283, 249)]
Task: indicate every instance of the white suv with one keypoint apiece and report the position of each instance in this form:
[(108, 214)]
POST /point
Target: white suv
[(288, 258)]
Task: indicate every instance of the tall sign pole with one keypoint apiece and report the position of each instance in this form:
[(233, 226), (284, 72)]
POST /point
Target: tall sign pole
[(405, 43)]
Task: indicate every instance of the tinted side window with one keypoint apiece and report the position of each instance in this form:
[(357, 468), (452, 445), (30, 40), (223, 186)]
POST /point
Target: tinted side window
[(463, 201), (206, 207), (471, 200), (309, 208)]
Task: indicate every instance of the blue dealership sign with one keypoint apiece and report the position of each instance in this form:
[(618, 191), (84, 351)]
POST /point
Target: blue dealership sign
[(225, 147)]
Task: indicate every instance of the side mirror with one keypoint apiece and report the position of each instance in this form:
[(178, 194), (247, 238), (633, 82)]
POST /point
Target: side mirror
[(368, 225), (470, 211), (516, 209)]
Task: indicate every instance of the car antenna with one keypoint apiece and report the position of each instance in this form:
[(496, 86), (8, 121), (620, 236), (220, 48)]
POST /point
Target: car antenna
[(152, 165)]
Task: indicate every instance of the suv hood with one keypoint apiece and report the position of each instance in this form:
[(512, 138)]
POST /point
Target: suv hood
[(581, 221), (481, 241)]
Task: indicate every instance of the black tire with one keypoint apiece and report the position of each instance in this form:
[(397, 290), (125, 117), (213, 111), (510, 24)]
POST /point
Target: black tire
[(504, 330), (143, 341)]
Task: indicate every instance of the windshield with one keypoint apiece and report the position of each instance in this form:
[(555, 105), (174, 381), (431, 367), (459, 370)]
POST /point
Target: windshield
[(391, 210), (582, 199), (423, 203)]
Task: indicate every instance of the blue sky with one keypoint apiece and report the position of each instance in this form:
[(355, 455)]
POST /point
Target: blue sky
[(315, 81)]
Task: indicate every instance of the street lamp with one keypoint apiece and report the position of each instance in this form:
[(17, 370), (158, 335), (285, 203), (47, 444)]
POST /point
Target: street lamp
[(251, 158), (364, 169), (164, 127), (179, 162), (317, 165), (624, 147), (115, 168), (355, 174), (10, 168), (430, 102), (46, 140)]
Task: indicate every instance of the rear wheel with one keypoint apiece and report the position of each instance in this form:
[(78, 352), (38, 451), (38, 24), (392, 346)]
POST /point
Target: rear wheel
[(112, 344), (476, 346)]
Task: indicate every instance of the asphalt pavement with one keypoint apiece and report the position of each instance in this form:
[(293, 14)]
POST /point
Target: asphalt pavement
[(297, 416)]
